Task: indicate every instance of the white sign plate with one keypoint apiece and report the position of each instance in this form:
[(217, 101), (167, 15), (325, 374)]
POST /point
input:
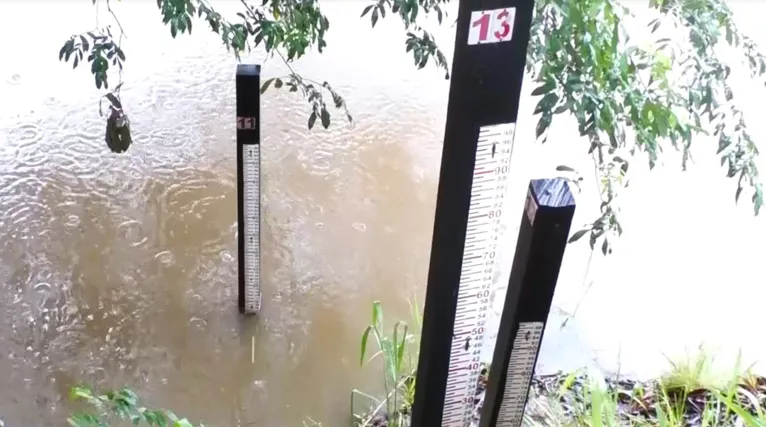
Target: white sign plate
[(491, 26)]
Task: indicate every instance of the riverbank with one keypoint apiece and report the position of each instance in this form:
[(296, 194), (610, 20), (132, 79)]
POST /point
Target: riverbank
[(686, 396), (692, 392), (678, 399)]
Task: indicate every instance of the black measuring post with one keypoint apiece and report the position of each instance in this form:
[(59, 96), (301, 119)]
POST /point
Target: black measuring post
[(248, 85), (487, 73), (543, 236)]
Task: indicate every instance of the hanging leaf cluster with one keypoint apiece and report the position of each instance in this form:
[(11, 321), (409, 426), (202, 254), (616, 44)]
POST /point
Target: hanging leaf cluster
[(631, 102)]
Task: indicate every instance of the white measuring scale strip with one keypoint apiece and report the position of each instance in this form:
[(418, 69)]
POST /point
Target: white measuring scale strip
[(521, 366), (251, 177), (479, 266)]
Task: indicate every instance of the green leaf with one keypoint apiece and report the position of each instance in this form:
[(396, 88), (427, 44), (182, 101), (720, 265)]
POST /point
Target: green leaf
[(578, 235), (758, 199), (367, 10), (80, 393), (171, 416), (183, 422), (563, 107), (546, 103), (365, 337), (401, 345), (377, 315), (83, 420), (114, 101), (325, 117), (594, 237), (85, 44), (266, 84), (543, 89), (542, 125), (63, 50)]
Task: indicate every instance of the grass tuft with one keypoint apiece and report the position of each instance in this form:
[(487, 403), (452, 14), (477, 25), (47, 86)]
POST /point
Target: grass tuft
[(689, 394)]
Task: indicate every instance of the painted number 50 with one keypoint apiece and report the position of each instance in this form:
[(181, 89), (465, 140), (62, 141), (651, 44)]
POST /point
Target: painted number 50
[(491, 26)]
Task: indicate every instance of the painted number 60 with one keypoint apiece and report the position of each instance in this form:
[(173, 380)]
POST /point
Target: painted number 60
[(491, 26)]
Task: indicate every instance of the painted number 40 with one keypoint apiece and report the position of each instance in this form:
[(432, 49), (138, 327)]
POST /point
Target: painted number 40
[(491, 26)]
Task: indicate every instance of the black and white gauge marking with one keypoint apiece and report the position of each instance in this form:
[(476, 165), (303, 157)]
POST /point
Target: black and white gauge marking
[(471, 208), (479, 270), (520, 369), (251, 199), (248, 85), (540, 247)]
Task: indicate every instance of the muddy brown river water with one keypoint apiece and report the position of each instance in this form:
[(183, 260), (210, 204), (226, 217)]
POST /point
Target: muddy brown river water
[(121, 269)]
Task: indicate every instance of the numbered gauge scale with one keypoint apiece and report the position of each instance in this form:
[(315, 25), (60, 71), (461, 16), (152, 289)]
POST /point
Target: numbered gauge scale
[(251, 195), (521, 366), (249, 186), (480, 269)]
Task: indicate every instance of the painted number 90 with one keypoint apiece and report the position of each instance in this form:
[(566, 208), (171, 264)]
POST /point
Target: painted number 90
[(491, 26)]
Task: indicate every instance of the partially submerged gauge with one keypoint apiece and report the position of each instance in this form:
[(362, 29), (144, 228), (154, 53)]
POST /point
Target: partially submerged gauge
[(521, 365), (249, 187), (542, 240), (251, 174)]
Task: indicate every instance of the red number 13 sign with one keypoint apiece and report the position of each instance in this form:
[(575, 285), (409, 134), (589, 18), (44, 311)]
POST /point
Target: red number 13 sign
[(491, 26)]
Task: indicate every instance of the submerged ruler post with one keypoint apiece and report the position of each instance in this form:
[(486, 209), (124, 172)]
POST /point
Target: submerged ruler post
[(248, 82), (543, 235), (487, 74)]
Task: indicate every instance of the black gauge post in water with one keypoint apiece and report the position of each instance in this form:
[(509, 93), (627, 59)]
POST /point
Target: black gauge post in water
[(248, 85), (543, 236), (487, 73)]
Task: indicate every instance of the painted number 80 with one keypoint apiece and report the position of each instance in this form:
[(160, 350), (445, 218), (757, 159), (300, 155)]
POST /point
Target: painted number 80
[(491, 26)]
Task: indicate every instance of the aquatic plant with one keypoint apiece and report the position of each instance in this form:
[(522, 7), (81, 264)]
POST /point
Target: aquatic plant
[(123, 405), (689, 394), (397, 350)]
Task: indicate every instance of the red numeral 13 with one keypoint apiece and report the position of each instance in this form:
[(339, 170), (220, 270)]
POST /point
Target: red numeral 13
[(484, 25)]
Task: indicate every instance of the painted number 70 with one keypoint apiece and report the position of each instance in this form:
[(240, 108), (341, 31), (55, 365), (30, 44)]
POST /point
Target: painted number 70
[(491, 26)]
